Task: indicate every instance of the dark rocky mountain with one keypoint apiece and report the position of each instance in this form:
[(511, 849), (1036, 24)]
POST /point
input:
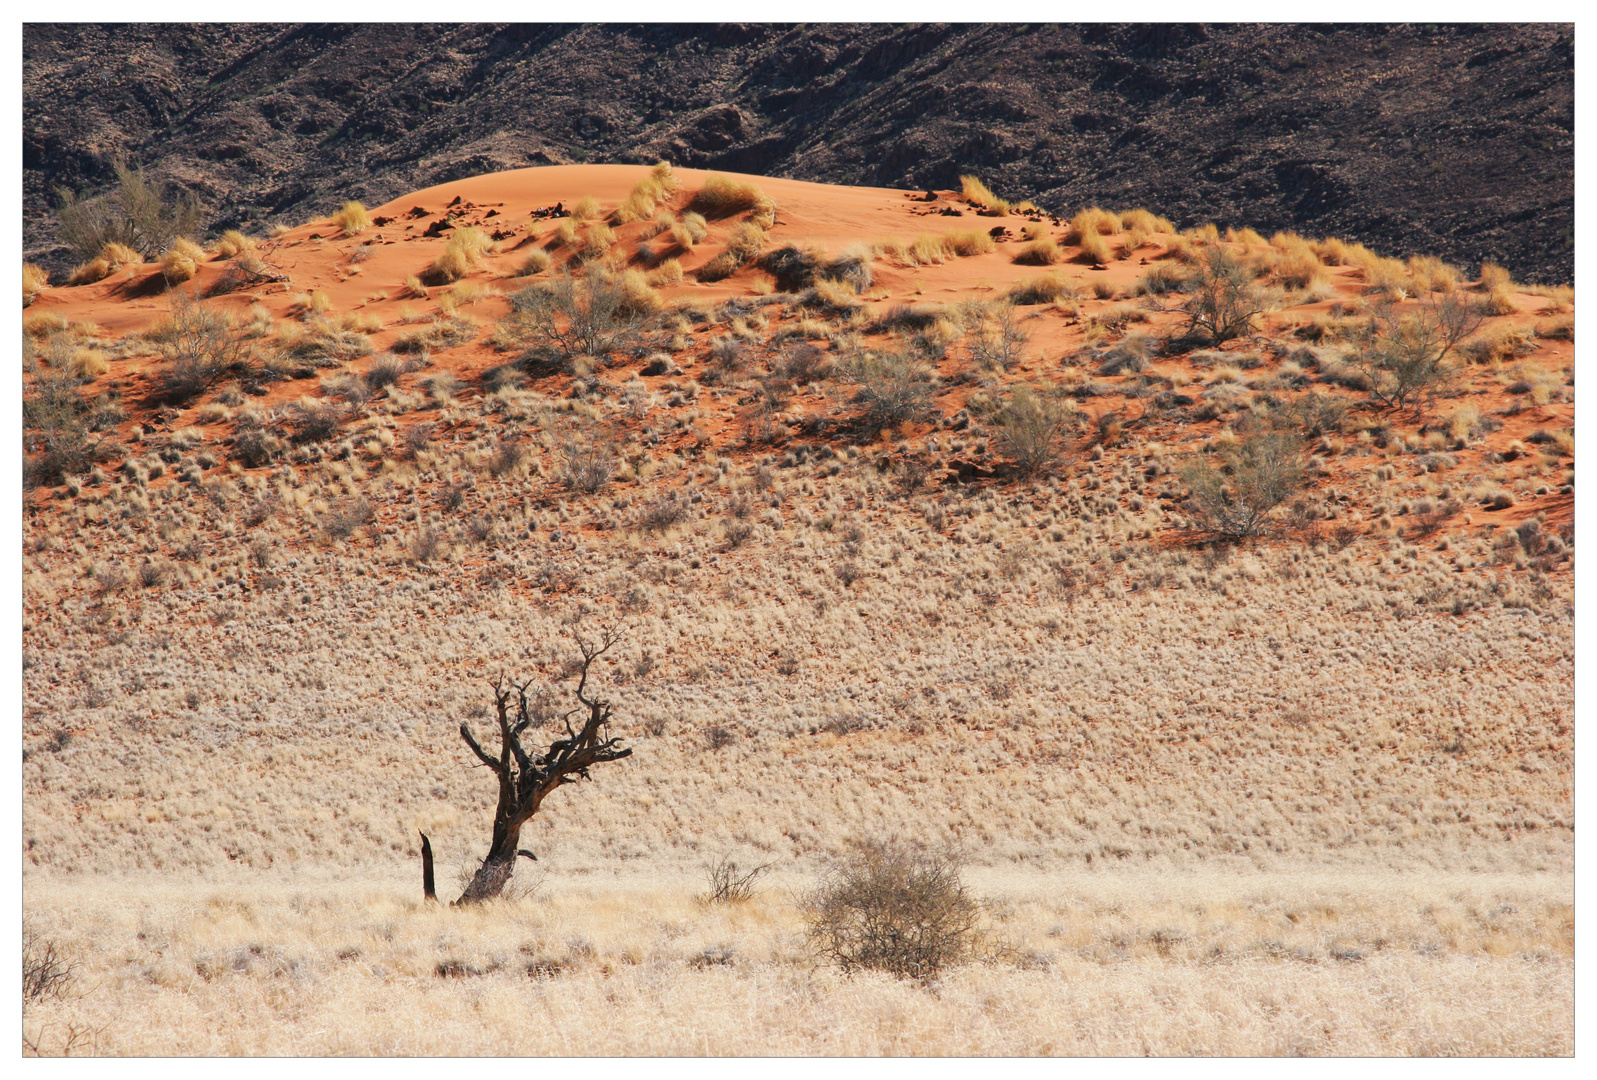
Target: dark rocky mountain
[(1452, 140)]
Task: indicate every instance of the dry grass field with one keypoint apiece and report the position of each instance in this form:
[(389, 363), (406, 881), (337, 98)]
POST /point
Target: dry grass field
[(1305, 792)]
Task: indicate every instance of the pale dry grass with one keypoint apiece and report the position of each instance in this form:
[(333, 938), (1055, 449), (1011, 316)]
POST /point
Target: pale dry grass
[(1115, 963)]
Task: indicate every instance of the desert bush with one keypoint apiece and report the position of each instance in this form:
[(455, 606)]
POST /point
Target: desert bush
[(1234, 496), (46, 973), (663, 513), (202, 347), (888, 907), (314, 422), (1221, 300), (997, 343), (232, 243), (1402, 354), (1558, 328), (352, 514), (352, 219), (894, 388), (585, 209), (586, 463), (589, 316), (136, 214), (386, 370), (57, 420), (1089, 223), (445, 333), (730, 883), (721, 196), (1031, 428)]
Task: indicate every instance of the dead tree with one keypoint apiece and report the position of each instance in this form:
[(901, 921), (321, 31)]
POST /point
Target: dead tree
[(525, 779)]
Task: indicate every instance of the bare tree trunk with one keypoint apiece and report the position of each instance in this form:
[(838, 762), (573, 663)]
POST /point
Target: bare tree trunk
[(494, 873), (427, 890)]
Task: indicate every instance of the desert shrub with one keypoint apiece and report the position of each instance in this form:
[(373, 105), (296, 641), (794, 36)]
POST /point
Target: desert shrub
[(742, 247), (254, 445), (669, 272), (721, 196), (596, 243), (1031, 427), (341, 523), (46, 973), (507, 459), (997, 343), (586, 463), (1145, 221), (887, 907), (1402, 354), (1129, 354), (1234, 495), (730, 883), (314, 422), (352, 218), (137, 214), (202, 347), (1316, 414), (567, 317), (35, 279), (57, 422), (460, 256), (663, 513), (894, 388), (385, 371), (1430, 274), (980, 196), (445, 333), (585, 208), (1221, 301)]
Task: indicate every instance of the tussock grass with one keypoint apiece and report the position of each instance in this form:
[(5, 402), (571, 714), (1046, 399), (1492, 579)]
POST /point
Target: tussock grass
[(586, 208), (231, 243), (181, 261), (742, 247), (1089, 224), (352, 219), (1094, 250), (113, 257), (35, 279), (722, 196), (461, 255), (980, 196), (1040, 252), (1041, 290)]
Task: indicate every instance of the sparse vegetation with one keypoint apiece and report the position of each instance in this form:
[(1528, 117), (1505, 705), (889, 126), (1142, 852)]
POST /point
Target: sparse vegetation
[(136, 214), (352, 219)]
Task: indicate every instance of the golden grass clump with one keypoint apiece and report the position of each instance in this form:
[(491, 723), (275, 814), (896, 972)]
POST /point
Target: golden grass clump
[(1499, 301), (1334, 251), (1089, 222), (88, 363), (1558, 328), (35, 279), (745, 244), (231, 243), (564, 234), (1145, 220), (1040, 252), (585, 209), (1430, 274), (181, 261), (352, 219), (46, 324), (649, 192), (1094, 250), (1040, 290), (113, 256), (637, 292), (967, 242), (536, 262), (980, 196), (596, 242), (1246, 236), (722, 196), (1300, 268), (460, 256), (668, 272), (1494, 277)]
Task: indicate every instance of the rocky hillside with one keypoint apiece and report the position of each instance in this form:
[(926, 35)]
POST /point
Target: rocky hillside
[(1455, 140)]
